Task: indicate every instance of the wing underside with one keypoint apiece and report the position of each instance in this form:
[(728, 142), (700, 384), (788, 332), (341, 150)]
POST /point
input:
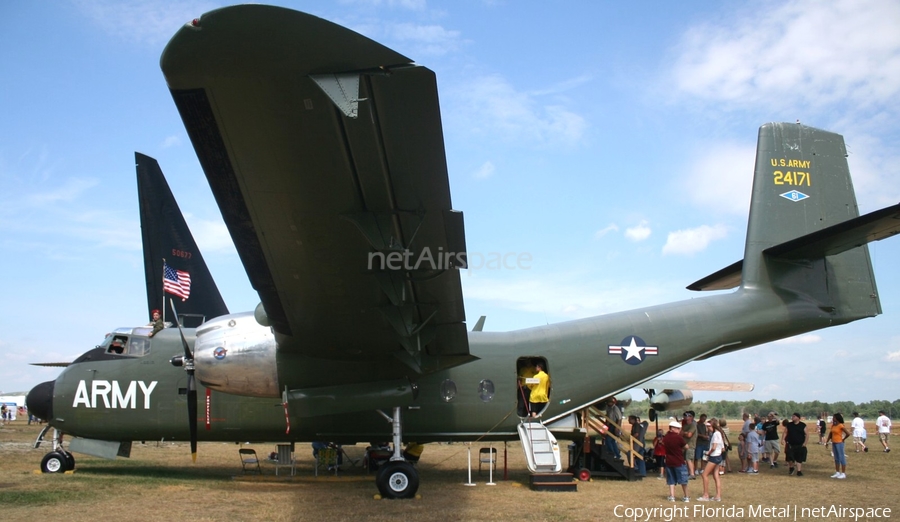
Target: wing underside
[(325, 153)]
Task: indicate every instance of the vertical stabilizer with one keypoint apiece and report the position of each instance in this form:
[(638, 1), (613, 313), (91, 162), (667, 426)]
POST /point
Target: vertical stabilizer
[(166, 237), (802, 185)]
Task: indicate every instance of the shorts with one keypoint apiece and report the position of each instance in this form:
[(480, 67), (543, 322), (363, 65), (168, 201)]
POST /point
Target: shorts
[(753, 457), (795, 454), (677, 475), (698, 451), (772, 446), (883, 437), (715, 460)]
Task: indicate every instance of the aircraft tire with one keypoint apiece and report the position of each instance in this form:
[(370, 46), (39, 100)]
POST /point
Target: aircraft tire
[(70, 460), (584, 475), (397, 479), (53, 462), (652, 415)]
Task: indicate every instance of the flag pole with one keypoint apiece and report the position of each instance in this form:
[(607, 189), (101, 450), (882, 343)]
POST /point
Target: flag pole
[(163, 296)]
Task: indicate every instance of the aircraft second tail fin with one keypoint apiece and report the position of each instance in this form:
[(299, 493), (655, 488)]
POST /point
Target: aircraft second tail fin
[(802, 191), (168, 240)]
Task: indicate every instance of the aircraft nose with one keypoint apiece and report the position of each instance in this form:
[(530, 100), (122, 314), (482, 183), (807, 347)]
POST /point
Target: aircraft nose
[(40, 400)]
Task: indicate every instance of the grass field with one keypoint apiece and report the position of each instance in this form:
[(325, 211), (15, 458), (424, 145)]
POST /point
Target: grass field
[(159, 482)]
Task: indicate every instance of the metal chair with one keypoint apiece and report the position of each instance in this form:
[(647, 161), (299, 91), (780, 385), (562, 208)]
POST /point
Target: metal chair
[(487, 456), (249, 459), (327, 458), (285, 458)]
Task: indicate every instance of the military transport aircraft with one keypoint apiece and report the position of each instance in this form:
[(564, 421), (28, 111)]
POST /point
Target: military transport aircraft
[(324, 152)]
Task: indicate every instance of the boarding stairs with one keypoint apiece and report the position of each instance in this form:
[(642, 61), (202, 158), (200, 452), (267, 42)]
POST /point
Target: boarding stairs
[(543, 458), (593, 459)]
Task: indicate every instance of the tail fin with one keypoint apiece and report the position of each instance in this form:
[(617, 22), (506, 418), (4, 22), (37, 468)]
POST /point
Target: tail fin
[(802, 186), (168, 240)]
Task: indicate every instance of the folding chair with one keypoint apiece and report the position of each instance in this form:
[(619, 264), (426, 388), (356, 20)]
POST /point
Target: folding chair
[(327, 459), (285, 458), (249, 458), (487, 456)]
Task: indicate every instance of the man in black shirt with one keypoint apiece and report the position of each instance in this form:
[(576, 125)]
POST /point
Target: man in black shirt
[(772, 442), (795, 439)]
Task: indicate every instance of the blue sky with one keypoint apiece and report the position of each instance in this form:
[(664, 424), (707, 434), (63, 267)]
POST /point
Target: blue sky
[(612, 142)]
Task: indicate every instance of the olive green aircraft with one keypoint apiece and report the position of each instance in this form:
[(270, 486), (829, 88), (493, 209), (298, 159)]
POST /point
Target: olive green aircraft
[(325, 154)]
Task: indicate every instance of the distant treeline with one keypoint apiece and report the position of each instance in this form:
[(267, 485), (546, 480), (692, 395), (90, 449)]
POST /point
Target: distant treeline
[(809, 410)]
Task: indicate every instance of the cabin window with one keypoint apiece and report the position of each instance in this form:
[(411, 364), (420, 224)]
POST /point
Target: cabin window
[(486, 390), (448, 390)]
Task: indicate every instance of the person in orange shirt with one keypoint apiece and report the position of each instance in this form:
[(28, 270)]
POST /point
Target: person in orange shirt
[(839, 432)]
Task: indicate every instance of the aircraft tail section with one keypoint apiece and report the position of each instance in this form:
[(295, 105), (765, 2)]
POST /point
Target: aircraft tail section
[(168, 241), (803, 205)]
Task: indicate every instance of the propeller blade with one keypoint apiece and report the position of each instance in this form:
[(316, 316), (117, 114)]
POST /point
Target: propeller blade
[(192, 414), (188, 363)]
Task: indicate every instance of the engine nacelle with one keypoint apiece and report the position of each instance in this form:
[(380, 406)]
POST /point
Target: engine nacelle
[(235, 354), (671, 400)]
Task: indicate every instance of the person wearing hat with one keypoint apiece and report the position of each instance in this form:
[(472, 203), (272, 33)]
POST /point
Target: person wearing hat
[(156, 323), (883, 423), (676, 466)]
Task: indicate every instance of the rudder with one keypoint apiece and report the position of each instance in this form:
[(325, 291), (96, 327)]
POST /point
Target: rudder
[(802, 185)]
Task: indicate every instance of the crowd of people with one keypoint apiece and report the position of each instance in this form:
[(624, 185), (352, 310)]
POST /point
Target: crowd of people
[(700, 448)]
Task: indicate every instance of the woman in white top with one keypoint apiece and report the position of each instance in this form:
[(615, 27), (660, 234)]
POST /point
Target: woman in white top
[(713, 459)]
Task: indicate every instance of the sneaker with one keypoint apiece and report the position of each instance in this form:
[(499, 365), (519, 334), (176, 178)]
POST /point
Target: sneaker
[(742, 471), (887, 450), (752, 471), (717, 499), (685, 499), (799, 473), (865, 450), (702, 499), (774, 464), (841, 476), (836, 474), (670, 499), (790, 471)]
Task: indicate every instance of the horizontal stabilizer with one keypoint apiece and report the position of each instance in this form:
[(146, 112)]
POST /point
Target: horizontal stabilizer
[(833, 240)]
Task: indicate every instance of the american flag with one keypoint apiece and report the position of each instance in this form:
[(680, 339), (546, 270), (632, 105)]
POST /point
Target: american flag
[(177, 282)]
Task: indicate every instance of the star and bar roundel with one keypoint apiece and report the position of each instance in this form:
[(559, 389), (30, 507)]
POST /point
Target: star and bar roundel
[(633, 350)]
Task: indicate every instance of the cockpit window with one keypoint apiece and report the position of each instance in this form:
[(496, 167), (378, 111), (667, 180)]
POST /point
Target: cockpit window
[(135, 345)]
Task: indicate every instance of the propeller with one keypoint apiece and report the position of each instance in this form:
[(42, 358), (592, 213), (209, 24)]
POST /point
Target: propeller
[(187, 360)]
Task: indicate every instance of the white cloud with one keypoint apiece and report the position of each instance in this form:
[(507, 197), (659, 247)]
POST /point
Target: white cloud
[(720, 178), (171, 141), (892, 356), (491, 106), (639, 232), (143, 21), (801, 339), (485, 171), (428, 40), (795, 52), (693, 240), (71, 189), (211, 235), (612, 227)]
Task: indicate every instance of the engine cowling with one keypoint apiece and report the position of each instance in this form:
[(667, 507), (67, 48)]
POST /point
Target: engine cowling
[(671, 400), (235, 354)]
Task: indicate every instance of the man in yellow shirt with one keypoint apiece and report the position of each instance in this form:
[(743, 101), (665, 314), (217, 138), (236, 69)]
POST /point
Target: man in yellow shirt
[(539, 390)]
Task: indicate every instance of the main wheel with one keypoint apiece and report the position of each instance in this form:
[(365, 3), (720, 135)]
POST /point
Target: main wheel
[(397, 479), (53, 462), (584, 474), (651, 415)]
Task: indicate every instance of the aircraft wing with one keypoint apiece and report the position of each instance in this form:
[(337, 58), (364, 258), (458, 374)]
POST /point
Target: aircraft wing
[(325, 153), (660, 384)]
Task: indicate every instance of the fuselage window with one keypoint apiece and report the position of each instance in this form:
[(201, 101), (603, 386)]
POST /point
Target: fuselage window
[(448, 390), (486, 390)]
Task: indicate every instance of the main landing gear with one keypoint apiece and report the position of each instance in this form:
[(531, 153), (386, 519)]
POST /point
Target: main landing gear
[(397, 478), (59, 460)]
